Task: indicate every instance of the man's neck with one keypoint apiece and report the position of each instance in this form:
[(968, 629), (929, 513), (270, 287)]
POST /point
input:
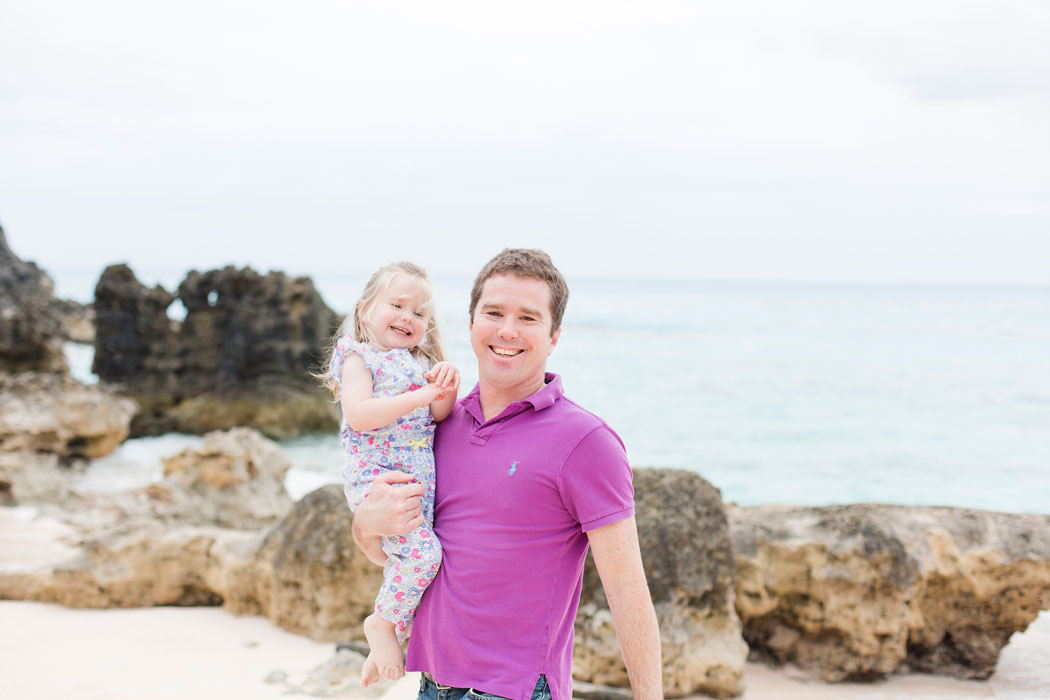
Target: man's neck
[(494, 401)]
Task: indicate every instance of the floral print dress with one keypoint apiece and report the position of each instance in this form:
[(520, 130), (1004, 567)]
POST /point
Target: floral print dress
[(406, 445)]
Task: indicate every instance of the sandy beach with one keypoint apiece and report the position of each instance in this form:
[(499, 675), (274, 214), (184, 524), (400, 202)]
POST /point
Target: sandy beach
[(54, 653)]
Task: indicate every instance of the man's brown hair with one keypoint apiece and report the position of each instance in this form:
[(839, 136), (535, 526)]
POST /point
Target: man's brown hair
[(530, 263)]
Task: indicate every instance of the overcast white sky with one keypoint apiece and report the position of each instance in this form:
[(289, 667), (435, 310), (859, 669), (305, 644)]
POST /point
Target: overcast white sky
[(890, 141)]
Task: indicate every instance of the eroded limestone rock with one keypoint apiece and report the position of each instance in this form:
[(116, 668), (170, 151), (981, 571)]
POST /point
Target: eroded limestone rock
[(55, 413), (236, 479), (31, 477), (688, 560), (856, 592), (309, 576), (242, 355)]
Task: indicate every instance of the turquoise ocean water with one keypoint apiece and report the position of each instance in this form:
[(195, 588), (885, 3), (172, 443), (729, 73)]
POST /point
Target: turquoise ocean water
[(776, 393)]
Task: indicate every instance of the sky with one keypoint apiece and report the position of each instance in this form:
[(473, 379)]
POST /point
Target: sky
[(900, 142)]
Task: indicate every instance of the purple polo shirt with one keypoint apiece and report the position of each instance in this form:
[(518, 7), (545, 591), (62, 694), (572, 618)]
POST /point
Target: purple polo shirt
[(515, 496)]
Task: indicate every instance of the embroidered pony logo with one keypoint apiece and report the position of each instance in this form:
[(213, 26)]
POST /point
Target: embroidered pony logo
[(513, 468)]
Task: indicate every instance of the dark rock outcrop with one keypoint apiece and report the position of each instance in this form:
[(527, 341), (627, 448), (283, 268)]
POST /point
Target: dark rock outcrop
[(241, 356), (856, 592), (31, 322), (690, 579)]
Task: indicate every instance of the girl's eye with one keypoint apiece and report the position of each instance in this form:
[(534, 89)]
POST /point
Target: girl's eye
[(419, 314), (396, 305)]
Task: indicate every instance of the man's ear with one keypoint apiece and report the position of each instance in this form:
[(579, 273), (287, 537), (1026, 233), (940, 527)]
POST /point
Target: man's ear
[(554, 341)]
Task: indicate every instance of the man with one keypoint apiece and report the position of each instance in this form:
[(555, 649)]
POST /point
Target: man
[(526, 481)]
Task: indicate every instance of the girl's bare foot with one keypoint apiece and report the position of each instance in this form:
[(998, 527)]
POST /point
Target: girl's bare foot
[(385, 659), (369, 672)]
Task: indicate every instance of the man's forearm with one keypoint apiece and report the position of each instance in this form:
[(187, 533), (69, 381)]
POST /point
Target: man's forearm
[(371, 545), (639, 636), (619, 562)]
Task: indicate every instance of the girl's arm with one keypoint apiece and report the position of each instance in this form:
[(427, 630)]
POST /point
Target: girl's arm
[(446, 376), (365, 412)]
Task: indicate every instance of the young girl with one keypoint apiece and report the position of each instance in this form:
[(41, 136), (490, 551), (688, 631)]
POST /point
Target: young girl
[(380, 374)]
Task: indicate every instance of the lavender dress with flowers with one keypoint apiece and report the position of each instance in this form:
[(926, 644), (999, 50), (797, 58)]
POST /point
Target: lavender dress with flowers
[(406, 445)]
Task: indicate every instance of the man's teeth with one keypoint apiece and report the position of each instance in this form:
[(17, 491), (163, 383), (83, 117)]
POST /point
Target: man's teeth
[(504, 351)]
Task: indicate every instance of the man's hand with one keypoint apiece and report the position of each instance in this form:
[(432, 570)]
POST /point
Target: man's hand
[(393, 507)]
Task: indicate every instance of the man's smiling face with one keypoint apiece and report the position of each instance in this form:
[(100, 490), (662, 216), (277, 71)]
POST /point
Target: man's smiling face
[(511, 334)]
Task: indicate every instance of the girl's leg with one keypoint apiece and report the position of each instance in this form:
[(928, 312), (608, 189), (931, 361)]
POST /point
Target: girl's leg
[(384, 656), (412, 562)]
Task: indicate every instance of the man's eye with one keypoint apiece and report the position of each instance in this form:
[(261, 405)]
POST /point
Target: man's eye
[(527, 318), (494, 314)]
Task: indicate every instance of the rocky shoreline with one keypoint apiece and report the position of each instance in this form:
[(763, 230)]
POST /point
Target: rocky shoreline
[(845, 593)]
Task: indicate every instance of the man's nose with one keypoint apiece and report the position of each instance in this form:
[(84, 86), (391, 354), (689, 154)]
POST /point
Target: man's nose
[(508, 329)]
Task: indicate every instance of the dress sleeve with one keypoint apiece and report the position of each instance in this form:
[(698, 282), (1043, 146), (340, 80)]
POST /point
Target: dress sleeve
[(596, 480), (343, 348)]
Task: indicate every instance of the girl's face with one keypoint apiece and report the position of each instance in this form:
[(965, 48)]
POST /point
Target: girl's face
[(397, 319)]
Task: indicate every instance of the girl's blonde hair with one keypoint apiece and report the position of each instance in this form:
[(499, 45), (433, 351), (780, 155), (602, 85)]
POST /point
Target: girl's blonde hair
[(356, 324)]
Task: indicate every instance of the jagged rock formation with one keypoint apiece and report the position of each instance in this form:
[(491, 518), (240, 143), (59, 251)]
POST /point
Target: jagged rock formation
[(55, 413), (31, 323), (235, 480), (691, 582), (856, 592), (242, 355)]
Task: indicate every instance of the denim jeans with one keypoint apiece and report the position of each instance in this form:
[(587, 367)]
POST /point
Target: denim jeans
[(429, 690)]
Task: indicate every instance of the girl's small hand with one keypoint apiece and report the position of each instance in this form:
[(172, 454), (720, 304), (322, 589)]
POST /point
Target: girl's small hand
[(428, 394), (445, 375)]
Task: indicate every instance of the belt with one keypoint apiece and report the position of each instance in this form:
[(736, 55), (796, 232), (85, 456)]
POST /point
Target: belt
[(427, 676)]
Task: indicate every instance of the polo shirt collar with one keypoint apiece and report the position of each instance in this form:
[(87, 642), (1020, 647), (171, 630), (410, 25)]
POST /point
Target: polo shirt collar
[(544, 398)]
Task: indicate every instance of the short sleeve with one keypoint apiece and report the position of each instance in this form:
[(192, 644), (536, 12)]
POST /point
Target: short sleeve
[(596, 480), (343, 348)]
